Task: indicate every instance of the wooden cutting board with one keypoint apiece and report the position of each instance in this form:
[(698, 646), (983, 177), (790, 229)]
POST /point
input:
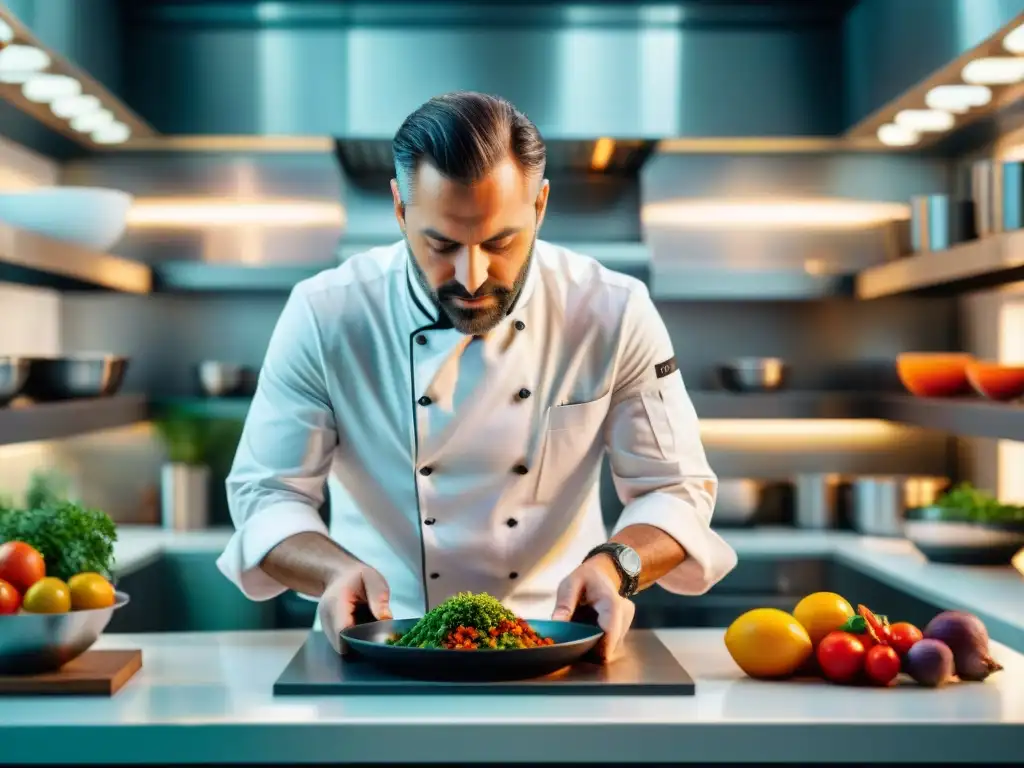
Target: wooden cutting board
[(94, 673)]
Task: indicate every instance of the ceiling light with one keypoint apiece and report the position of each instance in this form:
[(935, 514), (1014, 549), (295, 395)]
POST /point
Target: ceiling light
[(73, 106), (958, 98), (924, 120), (113, 133), (822, 213), (18, 63), (92, 121), (995, 70), (893, 135), (1014, 42), (175, 212), (6, 33), (45, 88)]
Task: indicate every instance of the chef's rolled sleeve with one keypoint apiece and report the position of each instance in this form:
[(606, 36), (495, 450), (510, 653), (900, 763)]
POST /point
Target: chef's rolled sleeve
[(658, 463), (276, 484)]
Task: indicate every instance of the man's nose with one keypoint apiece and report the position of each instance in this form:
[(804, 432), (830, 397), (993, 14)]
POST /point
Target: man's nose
[(471, 267)]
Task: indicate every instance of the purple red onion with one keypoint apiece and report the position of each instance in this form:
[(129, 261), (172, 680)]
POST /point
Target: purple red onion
[(967, 638), (929, 662)]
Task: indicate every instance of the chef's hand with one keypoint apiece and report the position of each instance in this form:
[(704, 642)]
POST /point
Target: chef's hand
[(596, 583), (351, 588)]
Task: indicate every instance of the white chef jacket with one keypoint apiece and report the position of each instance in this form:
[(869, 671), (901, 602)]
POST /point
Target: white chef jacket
[(461, 463)]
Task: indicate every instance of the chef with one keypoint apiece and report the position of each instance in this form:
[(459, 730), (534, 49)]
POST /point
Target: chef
[(457, 392)]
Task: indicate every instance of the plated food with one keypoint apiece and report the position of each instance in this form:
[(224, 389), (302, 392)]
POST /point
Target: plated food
[(967, 526), (470, 621), (430, 648)]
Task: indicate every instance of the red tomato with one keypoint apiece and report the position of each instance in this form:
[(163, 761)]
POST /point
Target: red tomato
[(841, 656), (882, 664), (902, 636), (10, 600), (21, 565)]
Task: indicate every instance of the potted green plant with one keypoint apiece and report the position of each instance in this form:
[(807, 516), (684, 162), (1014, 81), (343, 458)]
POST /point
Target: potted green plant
[(185, 476)]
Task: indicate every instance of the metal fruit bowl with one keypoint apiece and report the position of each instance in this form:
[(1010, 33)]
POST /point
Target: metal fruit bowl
[(31, 643)]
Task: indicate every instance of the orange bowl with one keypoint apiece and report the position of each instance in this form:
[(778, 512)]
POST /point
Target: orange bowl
[(934, 374), (995, 381)]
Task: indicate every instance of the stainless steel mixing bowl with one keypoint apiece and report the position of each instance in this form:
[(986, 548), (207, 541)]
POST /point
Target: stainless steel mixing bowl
[(75, 376), (31, 643), (753, 374), (222, 379)]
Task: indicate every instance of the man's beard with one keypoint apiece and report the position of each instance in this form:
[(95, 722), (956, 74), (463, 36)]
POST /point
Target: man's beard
[(467, 320)]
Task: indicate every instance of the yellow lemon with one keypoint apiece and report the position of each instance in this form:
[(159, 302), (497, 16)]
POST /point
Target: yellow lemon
[(768, 643), (47, 595), (821, 613), (90, 591)]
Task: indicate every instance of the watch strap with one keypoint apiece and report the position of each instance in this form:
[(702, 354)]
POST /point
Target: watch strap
[(628, 581)]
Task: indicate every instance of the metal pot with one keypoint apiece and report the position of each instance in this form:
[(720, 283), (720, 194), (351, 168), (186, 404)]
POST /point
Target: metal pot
[(880, 503), (753, 374), (184, 496), (817, 501), (737, 501)]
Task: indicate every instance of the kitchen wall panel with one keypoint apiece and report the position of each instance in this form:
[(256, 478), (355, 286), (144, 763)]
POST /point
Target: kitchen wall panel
[(29, 317)]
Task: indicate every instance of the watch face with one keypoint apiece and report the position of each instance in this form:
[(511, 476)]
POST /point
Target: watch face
[(630, 561)]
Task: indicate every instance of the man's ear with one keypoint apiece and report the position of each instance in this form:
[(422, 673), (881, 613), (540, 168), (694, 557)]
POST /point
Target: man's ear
[(542, 201), (396, 197)]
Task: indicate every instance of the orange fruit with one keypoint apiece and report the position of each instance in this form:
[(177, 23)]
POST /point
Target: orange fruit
[(821, 613), (47, 595), (768, 643), (90, 591)]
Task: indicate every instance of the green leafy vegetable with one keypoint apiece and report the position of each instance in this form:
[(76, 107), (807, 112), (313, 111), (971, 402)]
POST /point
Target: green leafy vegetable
[(979, 506), (71, 538), (481, 611)]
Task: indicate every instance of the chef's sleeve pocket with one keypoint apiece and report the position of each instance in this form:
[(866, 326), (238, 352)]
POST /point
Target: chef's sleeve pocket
[(668, 412)]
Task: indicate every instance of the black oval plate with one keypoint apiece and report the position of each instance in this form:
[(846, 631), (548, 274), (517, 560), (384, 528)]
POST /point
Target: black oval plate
[(572, 642)]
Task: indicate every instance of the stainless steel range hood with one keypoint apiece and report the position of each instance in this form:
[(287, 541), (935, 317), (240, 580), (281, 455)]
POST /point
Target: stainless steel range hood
[(608, 157), (581, 71)]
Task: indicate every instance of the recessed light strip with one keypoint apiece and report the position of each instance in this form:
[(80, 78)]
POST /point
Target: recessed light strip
[(51, 89), (981, 80)]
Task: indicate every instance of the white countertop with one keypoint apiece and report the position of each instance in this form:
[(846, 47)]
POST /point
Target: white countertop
[(208, 697)]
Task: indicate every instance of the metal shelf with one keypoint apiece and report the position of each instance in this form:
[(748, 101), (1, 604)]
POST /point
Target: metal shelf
[(49, 421), (776, 405), (204, 277), (31, 259), (966, 417), (671, 284), (984, 263)]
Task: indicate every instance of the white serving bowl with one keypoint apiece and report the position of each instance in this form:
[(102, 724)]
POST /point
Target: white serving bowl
[(91, 217)]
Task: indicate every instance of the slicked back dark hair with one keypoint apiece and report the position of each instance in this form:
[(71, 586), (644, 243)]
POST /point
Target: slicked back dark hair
[(465, 134)]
